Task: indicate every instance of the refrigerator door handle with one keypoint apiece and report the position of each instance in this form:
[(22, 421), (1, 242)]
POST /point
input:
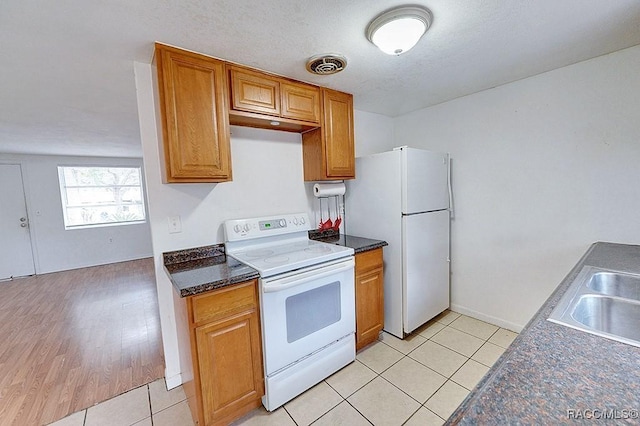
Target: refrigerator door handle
[(451, 213)]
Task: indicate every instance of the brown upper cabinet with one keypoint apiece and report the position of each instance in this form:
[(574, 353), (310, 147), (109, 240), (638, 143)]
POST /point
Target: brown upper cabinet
[(259, 99), (194, 116), (300, 102), (253, 91), (200, 97), (329, 151)]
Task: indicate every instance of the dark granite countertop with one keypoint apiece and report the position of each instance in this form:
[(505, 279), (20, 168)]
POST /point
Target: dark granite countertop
[(551, 369), (358, 244), (195, 271)]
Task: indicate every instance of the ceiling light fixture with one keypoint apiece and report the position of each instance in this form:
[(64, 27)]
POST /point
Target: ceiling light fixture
[(398, 30)]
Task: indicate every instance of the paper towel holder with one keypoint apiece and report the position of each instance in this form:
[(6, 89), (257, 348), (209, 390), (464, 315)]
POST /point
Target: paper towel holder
[(325, 190)]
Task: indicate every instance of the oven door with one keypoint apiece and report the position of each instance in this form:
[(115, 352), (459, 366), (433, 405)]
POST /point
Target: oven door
[(304, 311)]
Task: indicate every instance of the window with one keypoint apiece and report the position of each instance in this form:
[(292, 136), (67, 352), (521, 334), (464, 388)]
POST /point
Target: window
[(101, 195)]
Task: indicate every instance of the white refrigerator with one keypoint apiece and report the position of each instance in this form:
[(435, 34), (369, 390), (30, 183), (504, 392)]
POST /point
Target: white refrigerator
[(403, 196)]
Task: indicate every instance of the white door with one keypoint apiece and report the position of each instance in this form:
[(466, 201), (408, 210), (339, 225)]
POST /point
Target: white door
[(425, 180), (425, 260), (16, 257)]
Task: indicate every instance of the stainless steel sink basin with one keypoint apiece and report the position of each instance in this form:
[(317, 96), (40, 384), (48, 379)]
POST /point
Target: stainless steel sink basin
[(609, 315), (616, 284), (604, 303)]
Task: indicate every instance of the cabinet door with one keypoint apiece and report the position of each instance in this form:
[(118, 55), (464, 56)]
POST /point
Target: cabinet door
[(230, 364), (370, 307), (254, 92), (300, 102), (194, 116), (369, 297), (338, 134)]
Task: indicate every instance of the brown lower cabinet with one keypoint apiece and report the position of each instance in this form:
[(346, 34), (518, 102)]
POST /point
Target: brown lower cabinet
[(226, 354), (369, 297)]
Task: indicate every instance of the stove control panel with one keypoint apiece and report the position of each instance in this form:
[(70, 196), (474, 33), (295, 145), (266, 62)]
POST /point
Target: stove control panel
[(266, 225), (244, 229)]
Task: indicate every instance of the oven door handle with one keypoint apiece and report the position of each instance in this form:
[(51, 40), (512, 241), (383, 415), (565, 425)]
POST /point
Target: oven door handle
[(298, 279)]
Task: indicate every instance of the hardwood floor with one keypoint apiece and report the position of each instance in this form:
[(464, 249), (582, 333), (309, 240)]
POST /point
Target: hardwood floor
[(69, 340)]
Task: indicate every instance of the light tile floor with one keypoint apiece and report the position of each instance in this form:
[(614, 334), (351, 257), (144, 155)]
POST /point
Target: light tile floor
[(420, 380)]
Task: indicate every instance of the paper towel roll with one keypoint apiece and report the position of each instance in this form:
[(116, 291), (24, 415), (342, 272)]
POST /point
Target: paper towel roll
[(321, 190)]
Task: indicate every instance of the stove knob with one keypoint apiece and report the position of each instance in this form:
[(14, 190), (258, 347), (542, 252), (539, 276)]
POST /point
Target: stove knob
[(302, 220), (237, 228), (283, 223), (295, 220), (246, 227)]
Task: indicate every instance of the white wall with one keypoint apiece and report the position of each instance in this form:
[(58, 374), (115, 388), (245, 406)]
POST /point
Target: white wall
[(542, 168), (57, 249), (373, 133), (267, 179)]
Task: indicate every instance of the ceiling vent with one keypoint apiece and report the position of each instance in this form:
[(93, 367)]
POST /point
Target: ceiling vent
[(326, 64)]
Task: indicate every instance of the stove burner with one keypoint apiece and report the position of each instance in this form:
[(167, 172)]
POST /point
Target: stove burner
[(276, 259), (318, 249), (259, 253)]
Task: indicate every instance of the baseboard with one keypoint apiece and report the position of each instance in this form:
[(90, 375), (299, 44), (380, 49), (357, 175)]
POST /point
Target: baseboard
[(40, 271), (487, 318), (173, 381)]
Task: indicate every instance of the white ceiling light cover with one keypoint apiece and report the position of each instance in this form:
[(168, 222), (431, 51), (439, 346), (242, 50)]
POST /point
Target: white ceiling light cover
[(398, 30)]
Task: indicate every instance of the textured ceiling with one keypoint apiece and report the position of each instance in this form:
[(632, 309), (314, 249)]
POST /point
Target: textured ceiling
[(67, 83)]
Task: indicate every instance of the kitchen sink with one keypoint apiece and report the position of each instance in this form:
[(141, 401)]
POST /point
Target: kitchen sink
[(609, 315), (602, 302), (616, 284)]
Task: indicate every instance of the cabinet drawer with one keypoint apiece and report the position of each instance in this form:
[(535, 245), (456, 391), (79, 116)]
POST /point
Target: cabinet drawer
[(224, 302), (254, 92), (368, 260)]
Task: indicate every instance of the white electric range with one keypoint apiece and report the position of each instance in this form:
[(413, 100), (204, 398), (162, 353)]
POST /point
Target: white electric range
[(307, 301)]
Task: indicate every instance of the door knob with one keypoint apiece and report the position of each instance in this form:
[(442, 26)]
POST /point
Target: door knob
[(23, 219)]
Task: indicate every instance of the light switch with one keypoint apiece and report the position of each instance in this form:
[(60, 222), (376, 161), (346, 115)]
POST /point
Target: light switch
[(175, 225)]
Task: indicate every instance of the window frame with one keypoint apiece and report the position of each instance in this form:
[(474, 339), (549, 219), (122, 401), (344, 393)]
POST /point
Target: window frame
[(65, 204)]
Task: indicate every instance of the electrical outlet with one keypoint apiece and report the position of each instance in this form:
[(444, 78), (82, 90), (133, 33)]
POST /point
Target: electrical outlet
[(175, 225), (110, 240)]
